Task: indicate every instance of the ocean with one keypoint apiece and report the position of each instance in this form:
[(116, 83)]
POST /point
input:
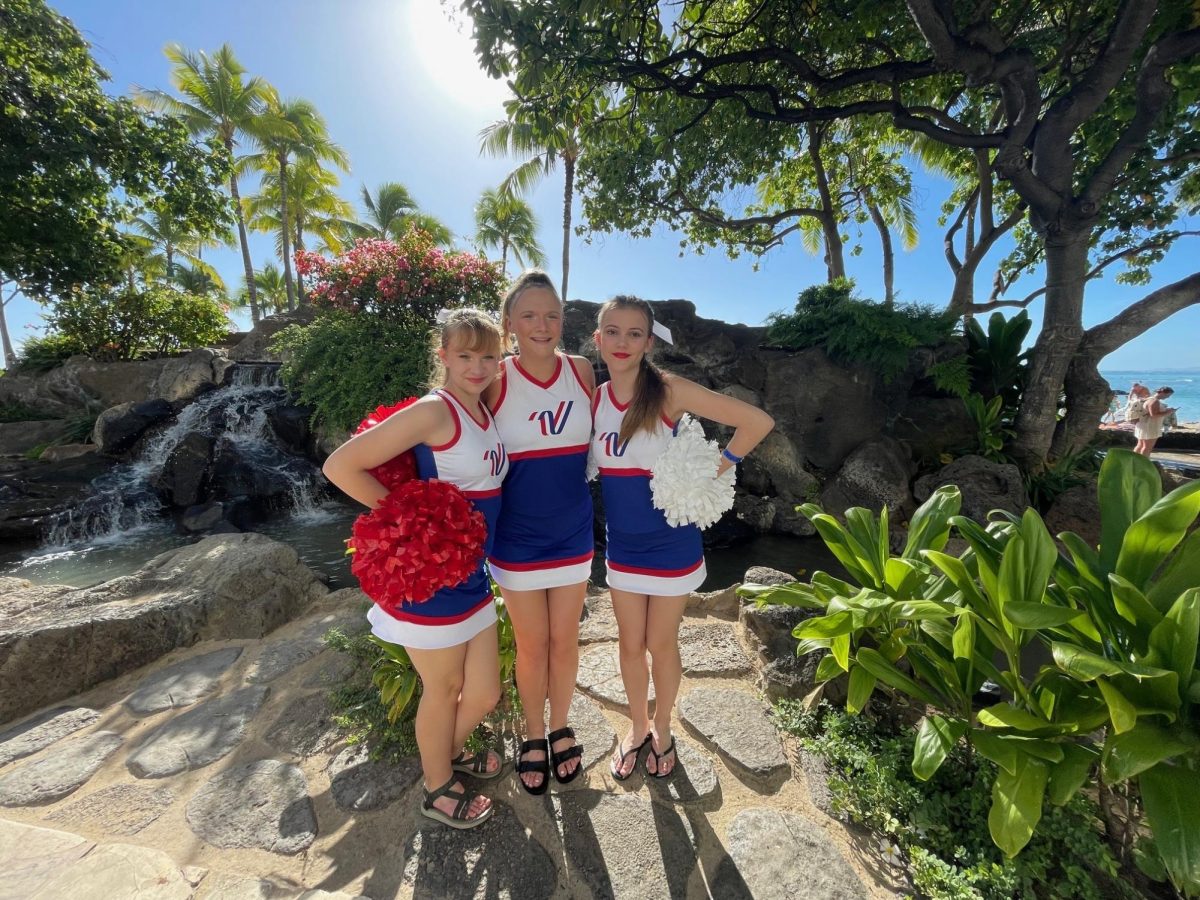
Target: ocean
[(1186, 383)]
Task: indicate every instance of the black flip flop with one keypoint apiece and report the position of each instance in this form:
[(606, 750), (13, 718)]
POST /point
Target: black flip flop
[(557, 759), (658, 758), (625, 755)]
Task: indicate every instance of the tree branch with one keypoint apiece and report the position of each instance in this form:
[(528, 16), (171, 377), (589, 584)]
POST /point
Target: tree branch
[(1134, 320)]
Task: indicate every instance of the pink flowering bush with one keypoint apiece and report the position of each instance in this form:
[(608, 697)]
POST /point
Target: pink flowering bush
[(398, 280)]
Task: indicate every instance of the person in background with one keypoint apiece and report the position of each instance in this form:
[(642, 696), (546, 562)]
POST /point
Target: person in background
[(1149, 428), (1114, 407)]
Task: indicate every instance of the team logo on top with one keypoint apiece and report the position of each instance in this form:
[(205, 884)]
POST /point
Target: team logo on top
[(613, 445), (553, 421), (496, 457)]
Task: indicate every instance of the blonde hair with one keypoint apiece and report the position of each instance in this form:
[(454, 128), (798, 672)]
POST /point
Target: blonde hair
[(530, 278), (468, 328), (650, 389)]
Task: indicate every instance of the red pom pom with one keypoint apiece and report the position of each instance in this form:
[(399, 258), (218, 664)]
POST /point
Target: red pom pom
[(398, 469), (424, 536)]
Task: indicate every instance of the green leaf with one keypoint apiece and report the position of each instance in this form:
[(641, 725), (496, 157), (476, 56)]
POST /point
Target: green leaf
[(1120, 710), (1027, 562), (999, 748), (1128, 485), (1181, 572), (1068, 776), (1171, 795), (1039, 615), (823, 627), (962, 579), (935, 738), (963, 642), (1005, 715), (874, 663), (1134, 751), (1157, 532), (1017, 804), (782, 594), (916, 610), (840, 648), (1173, 642), (1080, 663), (862, 684), (827, 669), (930, 524), (1086, 559), (902, 577), (1132, 606)]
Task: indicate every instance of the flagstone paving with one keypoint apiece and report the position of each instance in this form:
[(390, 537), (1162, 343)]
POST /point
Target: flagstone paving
[(220, 775)]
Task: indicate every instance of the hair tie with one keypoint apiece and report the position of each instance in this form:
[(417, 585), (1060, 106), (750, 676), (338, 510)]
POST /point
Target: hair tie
[(443, 315)]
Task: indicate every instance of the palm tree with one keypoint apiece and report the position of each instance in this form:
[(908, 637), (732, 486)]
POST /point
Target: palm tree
[(307, 139), (270, 286), (203, 282), (508, 223), (165, 233), (392, 211), (313, 207), (220, 101), (544, 142)]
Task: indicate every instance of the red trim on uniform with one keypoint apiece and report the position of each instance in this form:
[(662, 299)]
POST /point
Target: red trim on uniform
[(438, 620), (660, 573), (596, 398), (487, 419), (542, 384), (578, 377), (613, 398), (457, 425), (548, 451), (668, 422), (481, 495), (547, 564), (503, 387), (625, 472)]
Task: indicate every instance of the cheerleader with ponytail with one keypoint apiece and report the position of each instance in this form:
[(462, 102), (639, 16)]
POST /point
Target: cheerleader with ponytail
[(652, 564)]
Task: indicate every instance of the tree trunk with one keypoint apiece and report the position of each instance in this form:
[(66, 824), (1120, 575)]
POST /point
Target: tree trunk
[(303, 294), (568, 192), (835, 263), (170, 249), (1087, 400), (504, 258), (1062, 331), (251, 293), (287, 247), (10, 357), (889, 260)]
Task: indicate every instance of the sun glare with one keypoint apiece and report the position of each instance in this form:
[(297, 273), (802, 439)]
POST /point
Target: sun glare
[(446, 52)]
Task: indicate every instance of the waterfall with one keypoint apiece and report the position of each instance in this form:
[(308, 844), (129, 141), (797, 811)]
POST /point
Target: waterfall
[(235, 418)]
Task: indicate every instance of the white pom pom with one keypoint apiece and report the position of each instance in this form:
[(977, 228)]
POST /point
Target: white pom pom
[(685, 484), (593, 467)]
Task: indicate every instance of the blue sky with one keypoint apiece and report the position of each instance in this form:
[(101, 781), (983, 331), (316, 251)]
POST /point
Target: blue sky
[(400, 89)]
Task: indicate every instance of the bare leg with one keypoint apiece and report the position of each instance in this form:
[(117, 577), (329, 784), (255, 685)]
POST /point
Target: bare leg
[(662, 640), (530, 617), (481, 689), (565, 606), (630, 610), (442, 675)]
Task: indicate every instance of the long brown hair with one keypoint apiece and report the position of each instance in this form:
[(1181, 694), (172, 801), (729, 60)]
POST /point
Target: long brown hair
[(472, 329), (530, 278), (650, 389)]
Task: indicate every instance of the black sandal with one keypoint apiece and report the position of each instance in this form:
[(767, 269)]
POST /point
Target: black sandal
[(615, 770), (476, 765), (557, 759), (658, 758), (457, 819), (541, 766)]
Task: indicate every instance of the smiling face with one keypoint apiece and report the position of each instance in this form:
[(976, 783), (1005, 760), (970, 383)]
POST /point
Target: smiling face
[(623, 338), (469, 368), (536, 319)]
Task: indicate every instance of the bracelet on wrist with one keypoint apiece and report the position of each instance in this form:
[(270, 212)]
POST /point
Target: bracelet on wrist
[(729, 456)]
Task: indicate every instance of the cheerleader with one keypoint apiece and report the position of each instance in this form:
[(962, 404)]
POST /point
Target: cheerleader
[(542, 554), (450, 638), (652, 566)]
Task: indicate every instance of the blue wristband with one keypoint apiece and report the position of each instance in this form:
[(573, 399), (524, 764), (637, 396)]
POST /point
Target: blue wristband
[(729, 456)]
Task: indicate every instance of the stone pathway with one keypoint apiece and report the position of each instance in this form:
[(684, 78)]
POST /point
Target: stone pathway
[(217, 774)]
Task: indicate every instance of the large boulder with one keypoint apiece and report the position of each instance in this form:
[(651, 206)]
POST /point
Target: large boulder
[(874, 475), (1076, 509), (985, 485), (256, 346), (932, 426), (118, 428), (56, 641), (184, 476), (18, 438), (186, 377)]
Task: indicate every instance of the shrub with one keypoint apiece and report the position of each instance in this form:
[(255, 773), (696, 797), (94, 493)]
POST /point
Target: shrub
[(401, 279), (343, 365), (19, 412), (119, 324), (41, 354), (853, 330)]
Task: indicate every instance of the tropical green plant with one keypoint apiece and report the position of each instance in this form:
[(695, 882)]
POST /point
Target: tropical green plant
[(391, 212), (272, 290), (1118, 626), (306, 137), (997, 359), (854, 330), (176, 240), (16, 411), (508, 223), (220, 101), (51, 350), (991, 434)]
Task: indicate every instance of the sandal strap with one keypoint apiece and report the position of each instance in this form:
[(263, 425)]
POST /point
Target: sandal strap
[(478, 763), (567, 755), (560, 733), (670, 749), (540, 766), (446, 790), (535, 744)]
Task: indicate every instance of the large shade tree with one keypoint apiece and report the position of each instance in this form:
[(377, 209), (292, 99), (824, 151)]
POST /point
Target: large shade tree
[(75, 162), (508, 223), (1085, 110), (220, 101)]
